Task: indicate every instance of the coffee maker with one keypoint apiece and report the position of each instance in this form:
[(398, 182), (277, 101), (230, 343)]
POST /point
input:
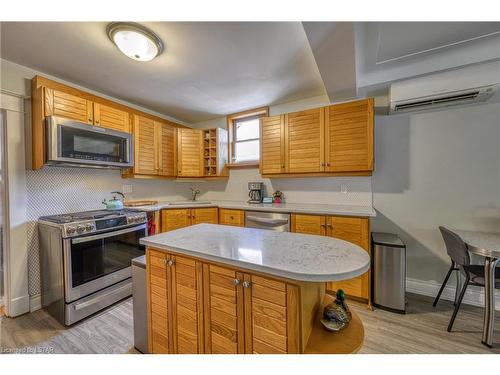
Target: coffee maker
[(255, 192)]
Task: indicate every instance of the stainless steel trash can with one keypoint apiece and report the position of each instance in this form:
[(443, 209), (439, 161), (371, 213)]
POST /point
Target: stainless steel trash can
[(140, 304), (389, 272)]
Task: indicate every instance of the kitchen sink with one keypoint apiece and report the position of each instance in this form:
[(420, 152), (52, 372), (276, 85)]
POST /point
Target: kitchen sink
[(187, 203)]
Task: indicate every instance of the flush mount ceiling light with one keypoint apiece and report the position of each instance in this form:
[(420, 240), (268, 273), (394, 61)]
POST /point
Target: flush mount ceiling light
[(134, 40)]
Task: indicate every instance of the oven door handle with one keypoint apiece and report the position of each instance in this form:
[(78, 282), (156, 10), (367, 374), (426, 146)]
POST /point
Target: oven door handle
[(109, 234), (82, 305)]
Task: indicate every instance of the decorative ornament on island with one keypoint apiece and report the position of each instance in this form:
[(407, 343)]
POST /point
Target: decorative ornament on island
[(336, 315)]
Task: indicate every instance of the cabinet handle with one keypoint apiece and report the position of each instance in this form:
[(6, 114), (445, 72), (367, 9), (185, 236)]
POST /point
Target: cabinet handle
[(327, 164), (322, 164), (231, 217), (90, 120), (247, 284), (97, 122), (323, 225), (170, 263), (164, 261), (330, 226), (236, 281)]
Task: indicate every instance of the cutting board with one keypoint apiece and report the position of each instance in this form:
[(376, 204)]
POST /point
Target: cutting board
[(139, 203)]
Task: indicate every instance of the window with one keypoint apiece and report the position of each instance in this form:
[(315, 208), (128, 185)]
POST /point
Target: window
[(244, 130)]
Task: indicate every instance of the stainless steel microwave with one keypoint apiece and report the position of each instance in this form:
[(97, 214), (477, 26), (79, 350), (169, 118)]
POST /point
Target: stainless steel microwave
[(76, 143)]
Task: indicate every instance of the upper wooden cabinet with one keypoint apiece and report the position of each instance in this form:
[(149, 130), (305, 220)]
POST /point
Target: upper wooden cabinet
[(272, 150), (349, 136), (58, 103), (154, 147), (190, 152), (304, 141), (112, 118), (202, 152), (329, 141)]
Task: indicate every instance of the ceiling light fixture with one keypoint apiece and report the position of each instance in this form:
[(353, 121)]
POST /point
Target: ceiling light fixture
[(134, 40)]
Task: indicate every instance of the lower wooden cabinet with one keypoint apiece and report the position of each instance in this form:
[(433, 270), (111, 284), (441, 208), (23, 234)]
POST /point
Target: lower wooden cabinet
[(232, 217), (199, 307), (183, 217), (352, 229), (175, 304)]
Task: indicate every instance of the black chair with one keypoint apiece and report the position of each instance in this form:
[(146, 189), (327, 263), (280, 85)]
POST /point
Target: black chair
[(460, 261)]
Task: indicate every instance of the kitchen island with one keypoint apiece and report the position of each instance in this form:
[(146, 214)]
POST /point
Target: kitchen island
[(224, 289)]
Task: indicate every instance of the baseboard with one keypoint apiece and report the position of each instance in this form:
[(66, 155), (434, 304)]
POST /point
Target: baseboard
[(35, 302), (19, 306), (473, 296)]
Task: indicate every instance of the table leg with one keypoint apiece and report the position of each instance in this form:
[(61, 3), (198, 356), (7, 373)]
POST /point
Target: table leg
[(489, 300)]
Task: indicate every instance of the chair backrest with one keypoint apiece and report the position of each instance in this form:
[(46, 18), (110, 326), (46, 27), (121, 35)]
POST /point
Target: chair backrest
[(455, 247)]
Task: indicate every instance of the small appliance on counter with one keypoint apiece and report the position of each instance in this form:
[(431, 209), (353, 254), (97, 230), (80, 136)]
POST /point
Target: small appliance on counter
[(256, 192)]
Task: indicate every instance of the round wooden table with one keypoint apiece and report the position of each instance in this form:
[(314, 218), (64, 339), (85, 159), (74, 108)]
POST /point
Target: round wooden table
[(347, 341)]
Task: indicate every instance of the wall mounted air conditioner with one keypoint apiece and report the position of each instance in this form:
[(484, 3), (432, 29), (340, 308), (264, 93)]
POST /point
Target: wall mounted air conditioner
[(468, 85)]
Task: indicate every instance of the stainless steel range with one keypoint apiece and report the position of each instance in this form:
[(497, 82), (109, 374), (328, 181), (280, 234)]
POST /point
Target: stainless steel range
[(86, 260)]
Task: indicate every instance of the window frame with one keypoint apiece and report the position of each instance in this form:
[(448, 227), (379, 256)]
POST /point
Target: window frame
[(251, 114)]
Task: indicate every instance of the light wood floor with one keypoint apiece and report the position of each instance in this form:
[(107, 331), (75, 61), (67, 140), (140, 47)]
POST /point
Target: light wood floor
[(421, 330)]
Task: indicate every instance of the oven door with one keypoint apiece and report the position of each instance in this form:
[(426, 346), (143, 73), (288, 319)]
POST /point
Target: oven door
[(79, 143), (94, 262)]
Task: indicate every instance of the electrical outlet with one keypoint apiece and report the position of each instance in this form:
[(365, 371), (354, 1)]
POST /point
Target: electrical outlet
[(343, 188), (127, 189)]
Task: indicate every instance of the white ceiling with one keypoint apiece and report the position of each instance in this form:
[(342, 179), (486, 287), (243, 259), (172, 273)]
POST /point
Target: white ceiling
[(213, 69), (207, 69)]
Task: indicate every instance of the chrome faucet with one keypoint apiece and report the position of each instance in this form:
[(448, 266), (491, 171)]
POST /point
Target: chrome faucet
[(194, 194)]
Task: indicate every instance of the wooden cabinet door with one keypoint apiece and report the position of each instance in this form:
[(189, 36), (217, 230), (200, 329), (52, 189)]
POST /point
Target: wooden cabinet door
[(357, 231), (190, 155), (271, 316), (208, 215), (167, 162), (112, 118), (232, 217), (58, 103), (145, 146), (305, 145), (349, 136), (158, 302), (272, 149), (308, 224), (175, 219), (223, 310), (187, 305)]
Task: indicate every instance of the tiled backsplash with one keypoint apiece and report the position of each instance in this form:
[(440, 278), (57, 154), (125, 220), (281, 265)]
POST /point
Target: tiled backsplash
[(55, 190)]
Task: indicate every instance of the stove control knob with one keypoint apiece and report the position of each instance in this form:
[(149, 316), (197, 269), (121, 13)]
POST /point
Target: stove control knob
[(70, 230), (89, 227), (80, 228)]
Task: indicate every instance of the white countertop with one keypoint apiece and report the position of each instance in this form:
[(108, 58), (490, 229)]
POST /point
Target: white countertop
[(305, 208), (301, 257)]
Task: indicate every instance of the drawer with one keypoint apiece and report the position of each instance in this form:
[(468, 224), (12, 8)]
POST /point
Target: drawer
[(232, 217)]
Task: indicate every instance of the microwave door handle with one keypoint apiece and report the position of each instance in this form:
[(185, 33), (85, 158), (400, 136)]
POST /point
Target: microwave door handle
[(108, 234), (268, 222)]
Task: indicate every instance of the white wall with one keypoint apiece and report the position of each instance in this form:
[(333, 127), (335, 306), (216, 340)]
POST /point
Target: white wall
[(432, 169)]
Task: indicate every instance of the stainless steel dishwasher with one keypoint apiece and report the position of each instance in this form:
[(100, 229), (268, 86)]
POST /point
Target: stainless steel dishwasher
[(267, 220)]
